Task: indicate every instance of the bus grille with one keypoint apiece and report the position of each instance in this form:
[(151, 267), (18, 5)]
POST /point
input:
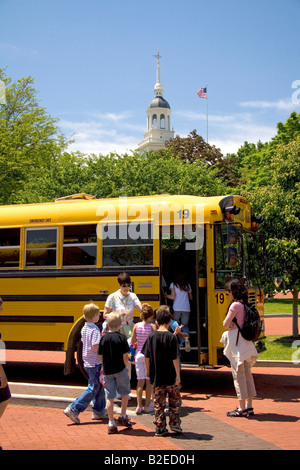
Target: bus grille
[(251, 298)]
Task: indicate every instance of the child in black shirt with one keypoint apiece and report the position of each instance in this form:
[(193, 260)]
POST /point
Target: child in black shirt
[(162, 363)]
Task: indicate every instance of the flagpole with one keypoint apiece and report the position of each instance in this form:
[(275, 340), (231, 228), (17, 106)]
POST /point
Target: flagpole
[(202, 93), (206, 115)]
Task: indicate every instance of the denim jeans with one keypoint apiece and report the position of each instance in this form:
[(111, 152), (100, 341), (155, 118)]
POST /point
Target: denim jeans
[(94, 392), (117, 383), (183, 318)]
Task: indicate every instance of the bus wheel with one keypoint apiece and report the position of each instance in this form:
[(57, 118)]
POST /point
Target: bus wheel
[(79, 359)]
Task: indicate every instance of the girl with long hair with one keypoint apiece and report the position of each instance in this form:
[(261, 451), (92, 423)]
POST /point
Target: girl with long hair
[(140, 333), (181, 294), (241, 353)]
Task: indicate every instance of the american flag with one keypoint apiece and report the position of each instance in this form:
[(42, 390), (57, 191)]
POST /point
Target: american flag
[(202, 93)]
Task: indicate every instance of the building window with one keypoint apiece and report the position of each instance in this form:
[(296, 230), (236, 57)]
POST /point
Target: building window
[(80, 245), (154, 121), (162, 121)]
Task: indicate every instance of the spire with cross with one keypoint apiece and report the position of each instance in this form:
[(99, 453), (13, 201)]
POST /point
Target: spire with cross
[(158, 118), (158, 90), (157, 56)]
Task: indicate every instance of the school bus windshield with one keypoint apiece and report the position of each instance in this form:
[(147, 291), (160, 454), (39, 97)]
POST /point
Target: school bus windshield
[(229, 253)]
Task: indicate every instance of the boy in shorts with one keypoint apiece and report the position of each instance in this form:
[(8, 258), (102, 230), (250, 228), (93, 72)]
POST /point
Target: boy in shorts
[(113, 351)]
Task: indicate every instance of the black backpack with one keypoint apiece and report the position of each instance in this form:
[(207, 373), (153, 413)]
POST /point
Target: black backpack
[(252, 325)]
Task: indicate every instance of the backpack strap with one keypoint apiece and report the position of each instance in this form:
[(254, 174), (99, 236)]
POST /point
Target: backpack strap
[(239, 329)]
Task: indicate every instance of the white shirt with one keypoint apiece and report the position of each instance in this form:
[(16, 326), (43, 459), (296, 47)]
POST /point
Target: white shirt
[(181, 301), (90, 335), (120, 303)]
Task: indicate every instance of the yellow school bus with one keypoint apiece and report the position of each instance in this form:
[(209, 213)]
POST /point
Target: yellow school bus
[(56, 257)]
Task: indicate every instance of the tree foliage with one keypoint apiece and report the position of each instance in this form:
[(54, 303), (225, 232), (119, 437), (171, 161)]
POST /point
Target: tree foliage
[(273, 186), (29, 138), (149, 173)]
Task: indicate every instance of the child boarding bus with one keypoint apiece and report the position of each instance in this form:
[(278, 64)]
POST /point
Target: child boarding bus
[(56, 257)]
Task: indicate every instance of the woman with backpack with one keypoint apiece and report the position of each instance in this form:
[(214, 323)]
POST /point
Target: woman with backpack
[(241, 353)]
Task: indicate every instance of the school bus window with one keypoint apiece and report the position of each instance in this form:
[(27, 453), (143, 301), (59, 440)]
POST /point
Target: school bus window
[(9, 247), (229, 253), (127, 245), (41, 247), (80, 245)]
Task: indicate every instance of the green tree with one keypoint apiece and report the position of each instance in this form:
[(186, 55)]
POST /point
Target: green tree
[(193, 148), (64, 174), (29, 138), (279, 204), (150, 173)]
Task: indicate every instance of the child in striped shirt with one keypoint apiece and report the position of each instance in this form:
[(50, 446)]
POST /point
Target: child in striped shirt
[(140, 333)]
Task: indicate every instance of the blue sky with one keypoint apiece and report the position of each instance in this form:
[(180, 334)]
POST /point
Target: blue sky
[(93, 65)]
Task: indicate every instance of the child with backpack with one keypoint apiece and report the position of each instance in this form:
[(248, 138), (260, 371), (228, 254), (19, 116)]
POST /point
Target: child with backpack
[(241, 353)]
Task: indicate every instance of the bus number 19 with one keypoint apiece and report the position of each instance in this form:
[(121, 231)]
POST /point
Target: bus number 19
[(220, 298), (183, 214)]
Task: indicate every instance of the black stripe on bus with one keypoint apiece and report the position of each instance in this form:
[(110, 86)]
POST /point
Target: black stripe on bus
[(36, 319), (69, 298), (34, 346), (79, 273)]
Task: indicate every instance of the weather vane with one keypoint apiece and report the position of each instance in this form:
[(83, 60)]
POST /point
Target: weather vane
[(157, 56)]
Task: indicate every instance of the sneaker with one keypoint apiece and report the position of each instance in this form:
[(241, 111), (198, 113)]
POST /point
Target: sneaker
[(72, 415), (99, 415), (148, 409), (176, 428), (161, 431), (139, 411), (187, 346), (124, 421), (112, 430)]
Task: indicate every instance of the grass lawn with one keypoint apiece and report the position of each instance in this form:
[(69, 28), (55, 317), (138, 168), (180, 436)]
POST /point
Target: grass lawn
[(281, 348), (279, 306)]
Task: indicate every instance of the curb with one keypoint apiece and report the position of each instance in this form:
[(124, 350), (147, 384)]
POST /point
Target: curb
[(40, 400), (277, 364), (50, 401)]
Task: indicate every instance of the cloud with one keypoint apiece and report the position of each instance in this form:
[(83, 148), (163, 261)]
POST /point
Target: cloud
[(193, 116), (11, 50), (104, 134), (229, 132), (112, 132), (282, 104)]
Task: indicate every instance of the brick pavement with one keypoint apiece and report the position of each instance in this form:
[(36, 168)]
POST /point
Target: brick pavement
[(34, 425), (44, 428)]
